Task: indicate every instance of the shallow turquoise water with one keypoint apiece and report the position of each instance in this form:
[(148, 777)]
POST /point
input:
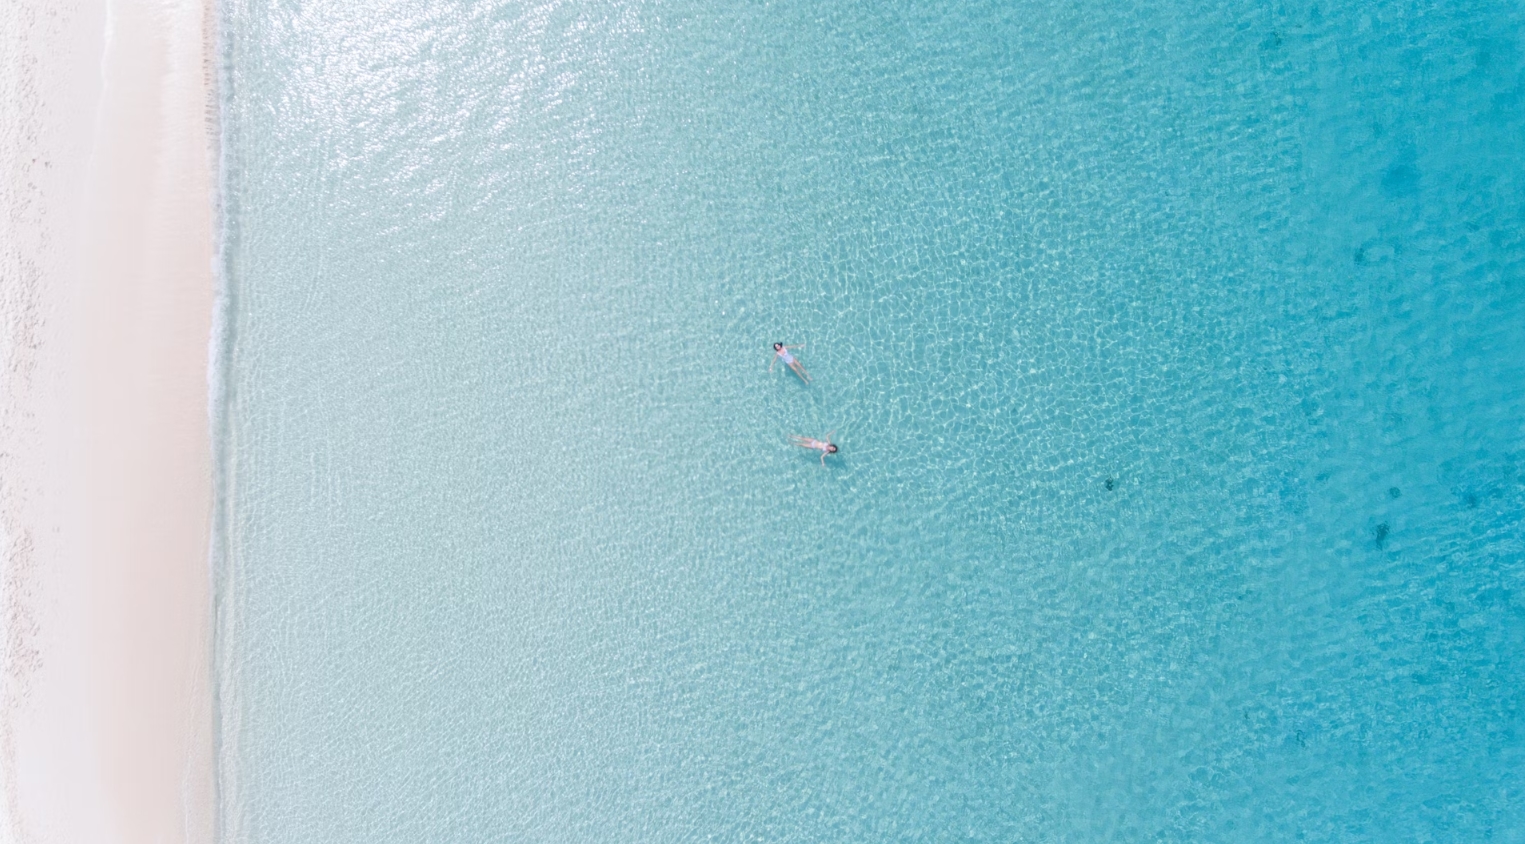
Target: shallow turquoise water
[(1176, 354)]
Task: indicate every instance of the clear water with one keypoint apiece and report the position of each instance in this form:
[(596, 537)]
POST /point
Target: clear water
[(1176, 352)]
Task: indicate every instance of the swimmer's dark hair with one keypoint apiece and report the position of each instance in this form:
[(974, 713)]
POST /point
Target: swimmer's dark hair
[(831, 449), (777, 346)]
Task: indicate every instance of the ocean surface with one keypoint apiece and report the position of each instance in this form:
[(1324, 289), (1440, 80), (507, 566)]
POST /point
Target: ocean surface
[(1176, 352)]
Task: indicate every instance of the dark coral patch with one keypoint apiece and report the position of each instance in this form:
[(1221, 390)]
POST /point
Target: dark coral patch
[(1401, 179)]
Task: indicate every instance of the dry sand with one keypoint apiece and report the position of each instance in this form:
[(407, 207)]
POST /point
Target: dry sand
[(107, 153)]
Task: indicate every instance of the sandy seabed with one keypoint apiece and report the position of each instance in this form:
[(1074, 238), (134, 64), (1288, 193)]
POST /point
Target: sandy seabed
[(107, 244)]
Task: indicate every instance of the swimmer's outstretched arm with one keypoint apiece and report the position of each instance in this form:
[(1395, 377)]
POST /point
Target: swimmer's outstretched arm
[(826, 441)]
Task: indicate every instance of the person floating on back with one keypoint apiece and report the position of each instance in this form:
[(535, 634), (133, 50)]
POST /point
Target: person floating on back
[(824, 445), (781, 353)]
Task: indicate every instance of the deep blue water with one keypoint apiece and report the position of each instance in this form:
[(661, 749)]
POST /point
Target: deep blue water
[(1176, 353)]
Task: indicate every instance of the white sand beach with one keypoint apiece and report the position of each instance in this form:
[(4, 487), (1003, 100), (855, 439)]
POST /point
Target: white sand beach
[(107, 206)]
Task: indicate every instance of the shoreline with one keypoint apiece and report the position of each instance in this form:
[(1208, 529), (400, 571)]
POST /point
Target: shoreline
[(109, 199)]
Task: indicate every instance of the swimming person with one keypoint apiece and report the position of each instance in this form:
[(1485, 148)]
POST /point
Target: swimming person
[(825, 446), (781, 353)]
